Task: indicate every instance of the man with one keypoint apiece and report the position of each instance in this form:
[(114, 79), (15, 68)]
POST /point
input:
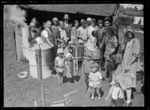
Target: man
[(55, 29), (74, 32), (100, 39), (62, 39), (55, 32), (82, 31), (67, 25), (47, 35), (110, 41)]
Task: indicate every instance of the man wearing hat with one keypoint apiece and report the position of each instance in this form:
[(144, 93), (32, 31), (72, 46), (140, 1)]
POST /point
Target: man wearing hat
[(67, 25), (82, 31)]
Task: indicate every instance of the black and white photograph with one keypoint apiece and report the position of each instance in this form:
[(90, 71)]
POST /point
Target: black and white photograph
[(73, 55)]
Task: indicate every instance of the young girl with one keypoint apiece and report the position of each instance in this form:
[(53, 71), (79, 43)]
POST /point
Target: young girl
[(95, 78), (86, 67), (69, 67), (59, 64), (116, 93)]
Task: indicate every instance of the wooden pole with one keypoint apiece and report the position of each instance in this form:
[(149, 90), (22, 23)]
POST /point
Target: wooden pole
[(39, 70)]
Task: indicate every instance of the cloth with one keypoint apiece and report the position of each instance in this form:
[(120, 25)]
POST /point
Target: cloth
[(87, 66), (95, 79), (82, 33)]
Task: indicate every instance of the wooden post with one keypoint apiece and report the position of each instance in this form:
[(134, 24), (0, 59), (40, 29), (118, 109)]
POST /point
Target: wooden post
[(39, 70)]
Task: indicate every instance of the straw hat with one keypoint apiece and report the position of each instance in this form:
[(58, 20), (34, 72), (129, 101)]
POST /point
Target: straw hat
[(60, 50), (55, 19), (89, 19), (66, 16)]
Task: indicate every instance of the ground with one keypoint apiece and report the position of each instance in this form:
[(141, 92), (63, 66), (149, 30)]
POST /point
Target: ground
[(23, 92)]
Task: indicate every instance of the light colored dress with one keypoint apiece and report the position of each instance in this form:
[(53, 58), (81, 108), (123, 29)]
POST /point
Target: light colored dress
[(95, 79), (59, 64)]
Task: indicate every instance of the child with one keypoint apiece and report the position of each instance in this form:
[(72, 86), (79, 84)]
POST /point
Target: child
[(95, 78), (59, 64), (116, 93), (69, 67), (86, 67)]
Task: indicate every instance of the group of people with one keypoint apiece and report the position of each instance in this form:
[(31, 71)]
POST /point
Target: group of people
[(120, 61)]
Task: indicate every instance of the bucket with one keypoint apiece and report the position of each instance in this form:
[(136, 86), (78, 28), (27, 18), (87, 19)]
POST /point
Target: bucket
[(46, 54)]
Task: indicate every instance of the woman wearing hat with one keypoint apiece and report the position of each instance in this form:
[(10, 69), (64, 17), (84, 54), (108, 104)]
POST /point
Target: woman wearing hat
[(130, 64)]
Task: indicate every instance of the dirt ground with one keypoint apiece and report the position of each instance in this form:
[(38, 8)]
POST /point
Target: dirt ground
[(23, 92)]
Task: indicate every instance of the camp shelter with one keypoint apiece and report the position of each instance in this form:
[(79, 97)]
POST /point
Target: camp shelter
[(44, 12)]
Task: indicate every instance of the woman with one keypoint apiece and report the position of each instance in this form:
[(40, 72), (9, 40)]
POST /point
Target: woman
[(130, 64)]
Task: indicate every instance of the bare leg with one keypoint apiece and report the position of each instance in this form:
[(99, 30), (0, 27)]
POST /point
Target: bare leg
[(128, 91)]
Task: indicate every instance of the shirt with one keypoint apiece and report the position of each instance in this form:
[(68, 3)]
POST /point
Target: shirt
[(82, 33), (95, 77), (73, 33), (87, 66)]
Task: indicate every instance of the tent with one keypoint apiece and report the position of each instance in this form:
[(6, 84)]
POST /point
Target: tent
[(91, 9)]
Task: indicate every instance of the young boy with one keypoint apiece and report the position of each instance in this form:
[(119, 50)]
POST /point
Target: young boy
[(116, 93), (59, 64), (95, 78), (86, 67)]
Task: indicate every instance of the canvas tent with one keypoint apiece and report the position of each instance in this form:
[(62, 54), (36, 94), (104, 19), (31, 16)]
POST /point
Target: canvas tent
[(91, 9)]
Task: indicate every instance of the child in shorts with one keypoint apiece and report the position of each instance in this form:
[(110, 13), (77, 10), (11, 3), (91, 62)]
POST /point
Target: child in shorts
[(59, 64), (95, 78)]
